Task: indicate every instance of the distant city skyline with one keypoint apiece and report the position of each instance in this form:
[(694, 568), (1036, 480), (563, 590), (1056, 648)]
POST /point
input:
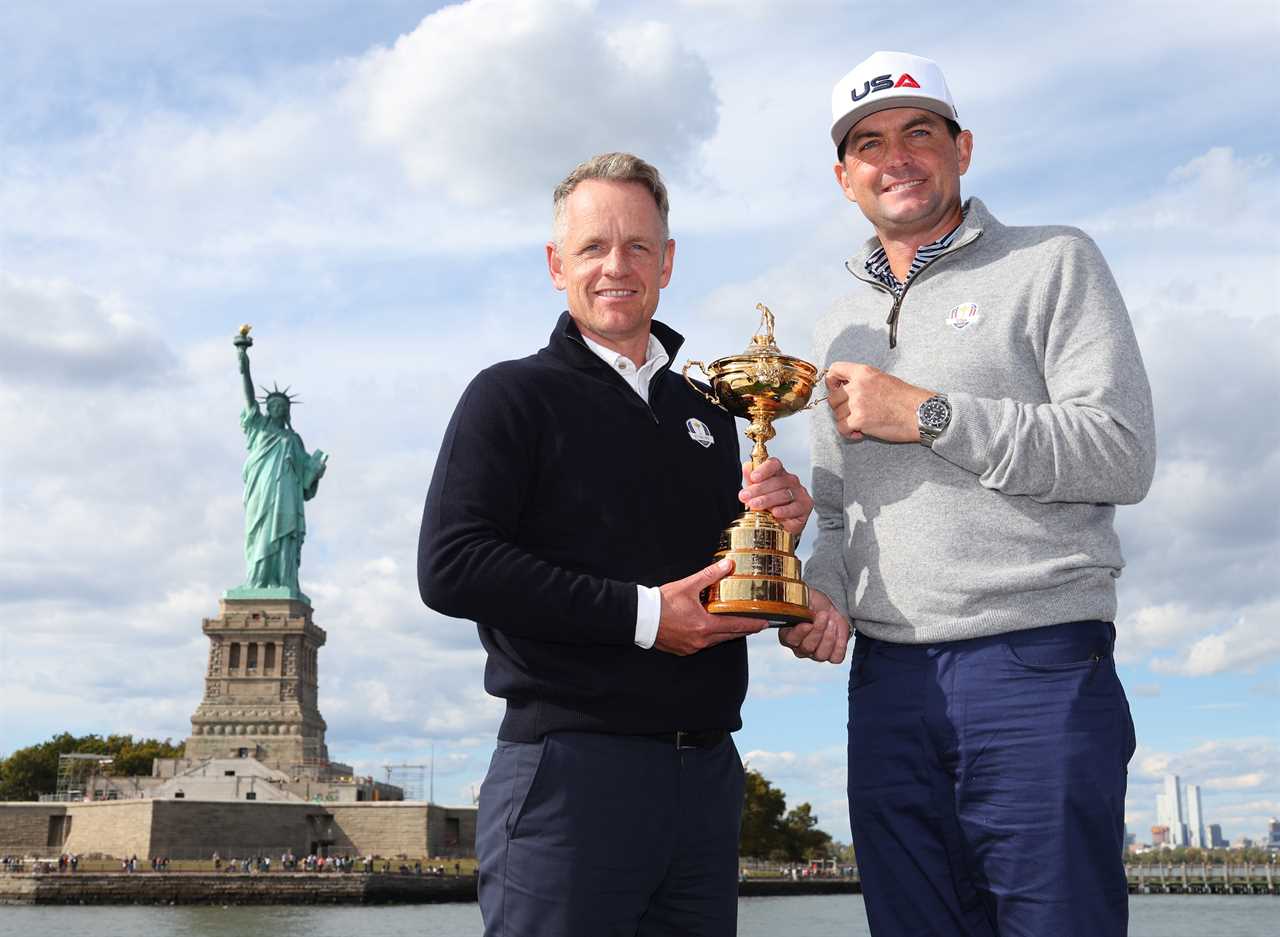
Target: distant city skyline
[(1180, 819)]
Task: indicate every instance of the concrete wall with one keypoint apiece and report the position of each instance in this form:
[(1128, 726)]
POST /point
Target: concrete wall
[(384, 828), (114, 828), (195, 829), (24, 827), (452, 832)]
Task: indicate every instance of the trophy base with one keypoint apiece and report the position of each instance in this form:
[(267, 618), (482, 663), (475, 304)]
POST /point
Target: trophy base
[(777, 614), (765, 582)]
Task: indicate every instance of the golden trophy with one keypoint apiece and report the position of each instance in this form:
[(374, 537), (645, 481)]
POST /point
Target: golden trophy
[(761, 385)]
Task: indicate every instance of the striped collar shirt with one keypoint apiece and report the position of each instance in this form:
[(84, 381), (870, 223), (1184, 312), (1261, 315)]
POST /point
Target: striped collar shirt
[(877, 263)]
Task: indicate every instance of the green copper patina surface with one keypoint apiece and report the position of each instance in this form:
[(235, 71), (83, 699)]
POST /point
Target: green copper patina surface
[(279, 475)]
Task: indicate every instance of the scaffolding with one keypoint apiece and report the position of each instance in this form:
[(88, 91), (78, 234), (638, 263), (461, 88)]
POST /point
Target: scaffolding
[(313, 765), (76, 772), (412, 779)]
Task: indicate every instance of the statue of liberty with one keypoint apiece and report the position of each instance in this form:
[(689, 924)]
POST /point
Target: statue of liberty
[(279, 475)]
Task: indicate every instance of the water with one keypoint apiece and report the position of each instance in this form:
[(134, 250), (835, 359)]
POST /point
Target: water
[(817, 916)]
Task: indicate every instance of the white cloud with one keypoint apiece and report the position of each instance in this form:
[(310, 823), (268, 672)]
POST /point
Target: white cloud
[(777, 674), (1237, 782), (1210, 758), (487, 101), (1266, 807), (1154, 627), (1221, 181), (53, 332), (1217, 193), (1250, 642), (798, 288), (449, 140), (1196, 257), (827, 764)]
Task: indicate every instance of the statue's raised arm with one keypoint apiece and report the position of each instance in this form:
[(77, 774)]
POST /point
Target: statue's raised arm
[(242, 342)]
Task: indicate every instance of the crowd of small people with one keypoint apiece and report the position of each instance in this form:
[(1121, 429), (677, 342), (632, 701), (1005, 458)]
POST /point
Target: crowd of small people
[(796, 871), (321, 863), (67, 862), (70, 862)]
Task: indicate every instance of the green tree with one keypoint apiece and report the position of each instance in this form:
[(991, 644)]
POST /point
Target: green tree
[(769, 831), (762, 813), (135, 757), (29, 772), (802, 837), (32, 771)]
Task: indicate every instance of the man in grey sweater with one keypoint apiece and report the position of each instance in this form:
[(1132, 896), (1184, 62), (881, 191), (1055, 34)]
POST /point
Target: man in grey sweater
[(988, 410)]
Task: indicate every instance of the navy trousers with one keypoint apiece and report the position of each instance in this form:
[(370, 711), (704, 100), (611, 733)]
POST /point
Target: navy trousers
[(986, 784), (590, 835)]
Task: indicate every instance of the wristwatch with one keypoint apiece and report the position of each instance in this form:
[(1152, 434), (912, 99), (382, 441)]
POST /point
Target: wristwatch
[(932, 417)]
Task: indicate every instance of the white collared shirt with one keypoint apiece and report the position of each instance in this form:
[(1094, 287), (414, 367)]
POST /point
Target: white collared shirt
[(655, 356), (648, 598)]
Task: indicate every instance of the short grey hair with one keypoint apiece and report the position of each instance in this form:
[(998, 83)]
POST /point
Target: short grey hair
[(612, 167)]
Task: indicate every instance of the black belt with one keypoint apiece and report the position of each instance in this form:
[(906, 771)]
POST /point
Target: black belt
[(708, 738)]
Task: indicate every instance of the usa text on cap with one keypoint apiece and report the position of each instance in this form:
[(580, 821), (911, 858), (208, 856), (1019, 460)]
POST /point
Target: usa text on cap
[(885, 80)]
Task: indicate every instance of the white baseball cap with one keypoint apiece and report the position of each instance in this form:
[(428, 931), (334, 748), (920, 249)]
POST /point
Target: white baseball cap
[(885, 80)]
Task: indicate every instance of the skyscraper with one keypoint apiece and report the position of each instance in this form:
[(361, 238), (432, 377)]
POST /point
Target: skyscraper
[(1195, 818), (1216, 839), (1169, 811)]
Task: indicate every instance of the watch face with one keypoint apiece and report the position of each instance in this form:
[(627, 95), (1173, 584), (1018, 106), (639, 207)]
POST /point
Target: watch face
[(935, 413)]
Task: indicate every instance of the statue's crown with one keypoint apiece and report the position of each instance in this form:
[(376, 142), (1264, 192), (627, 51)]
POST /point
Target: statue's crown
[(277, 392)]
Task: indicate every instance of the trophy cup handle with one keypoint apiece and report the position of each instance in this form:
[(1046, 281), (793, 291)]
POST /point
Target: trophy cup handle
[(818, 380), (711, 398)]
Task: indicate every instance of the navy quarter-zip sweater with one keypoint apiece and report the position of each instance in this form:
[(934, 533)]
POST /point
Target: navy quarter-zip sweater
[(556, 491)]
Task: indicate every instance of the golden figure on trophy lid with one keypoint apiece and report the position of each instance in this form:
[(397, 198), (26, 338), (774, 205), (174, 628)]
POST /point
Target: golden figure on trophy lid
[(761, 385)]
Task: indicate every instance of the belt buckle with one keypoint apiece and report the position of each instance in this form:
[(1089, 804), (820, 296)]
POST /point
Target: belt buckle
[(681, 744)]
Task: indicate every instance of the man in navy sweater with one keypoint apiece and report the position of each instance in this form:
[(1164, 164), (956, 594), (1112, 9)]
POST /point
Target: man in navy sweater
[(577, 496)]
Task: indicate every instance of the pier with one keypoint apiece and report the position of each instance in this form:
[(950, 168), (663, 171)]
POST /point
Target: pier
[(1203, 879)]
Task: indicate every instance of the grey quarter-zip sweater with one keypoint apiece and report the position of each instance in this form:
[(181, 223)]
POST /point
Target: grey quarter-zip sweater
[(1006, 523)]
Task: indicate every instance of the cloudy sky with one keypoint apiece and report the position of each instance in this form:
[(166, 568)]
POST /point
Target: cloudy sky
[(369, 185)]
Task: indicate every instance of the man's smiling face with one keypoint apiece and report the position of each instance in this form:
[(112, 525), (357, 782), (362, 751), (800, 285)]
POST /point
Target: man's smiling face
[(612, 261), (903, 169)]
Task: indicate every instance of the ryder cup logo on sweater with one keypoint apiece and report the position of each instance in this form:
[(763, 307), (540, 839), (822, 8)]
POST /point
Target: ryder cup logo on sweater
[(699, 433), (962, 315)]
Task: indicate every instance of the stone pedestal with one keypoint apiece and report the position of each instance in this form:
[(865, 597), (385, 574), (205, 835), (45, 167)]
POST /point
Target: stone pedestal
[(260, 687)]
